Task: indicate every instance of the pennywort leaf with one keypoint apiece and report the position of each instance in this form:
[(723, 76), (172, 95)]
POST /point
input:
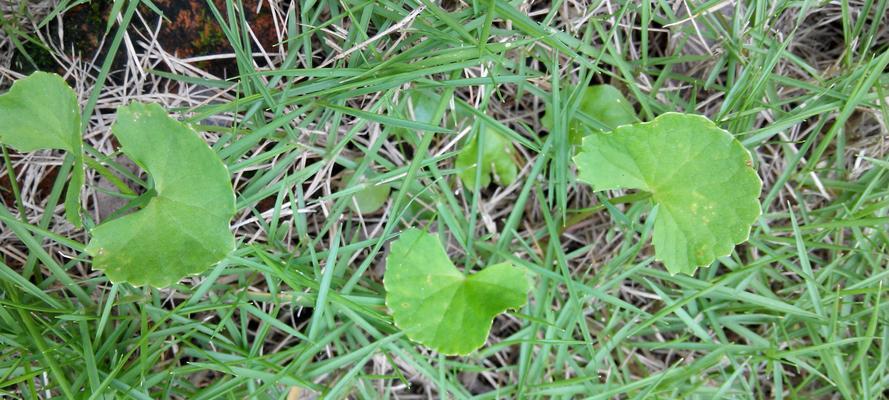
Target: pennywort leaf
[(699, 175), (184, 228), (496, 159), (370, 199), (605, 104), (423, 104), (439, 307), (41, 112)]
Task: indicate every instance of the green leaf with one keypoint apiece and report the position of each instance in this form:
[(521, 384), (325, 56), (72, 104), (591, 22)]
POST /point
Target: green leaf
[(604, 104), (436, 305), (41, 112), (496, 160), (423, 104), (184, 228), (701, 177), (368, 200)]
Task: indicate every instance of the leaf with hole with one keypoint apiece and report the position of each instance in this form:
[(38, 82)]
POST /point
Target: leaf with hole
[(184, 228), (699, 175), (604, 104), (496, 159), (41, 112), (436, 305)]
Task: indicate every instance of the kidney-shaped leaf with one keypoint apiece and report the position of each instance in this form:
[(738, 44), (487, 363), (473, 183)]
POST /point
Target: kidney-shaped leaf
[(439, 307), (604, 103), (608, 105), (496, 160), (41, 112), (701, 177), (370, 199), (184, 229)]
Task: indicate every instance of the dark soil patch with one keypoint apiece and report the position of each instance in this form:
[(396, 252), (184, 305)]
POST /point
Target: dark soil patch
[(189, 29)]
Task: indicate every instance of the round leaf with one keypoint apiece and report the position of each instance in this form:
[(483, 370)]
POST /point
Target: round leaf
[(423, 104), (699, 175), (184, 229), (604, 104), (496, 160), (368, 200), (436, 305)]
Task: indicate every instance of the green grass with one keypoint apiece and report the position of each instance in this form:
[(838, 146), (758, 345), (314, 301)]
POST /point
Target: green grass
[(798, 312)]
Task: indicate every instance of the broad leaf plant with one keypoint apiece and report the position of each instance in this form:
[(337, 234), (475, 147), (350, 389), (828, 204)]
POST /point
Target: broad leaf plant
[(700, 179)]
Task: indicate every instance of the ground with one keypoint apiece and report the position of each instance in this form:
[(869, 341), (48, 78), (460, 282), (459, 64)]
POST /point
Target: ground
[(295, 96)]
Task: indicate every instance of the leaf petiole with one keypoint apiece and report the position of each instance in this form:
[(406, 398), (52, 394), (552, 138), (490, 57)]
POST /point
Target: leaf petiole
[(582, 214), (107, 174)]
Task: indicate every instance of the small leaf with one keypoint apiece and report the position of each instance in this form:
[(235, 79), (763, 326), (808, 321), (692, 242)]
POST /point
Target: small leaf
[(41, 112), (423, 104), (603, 103), (184, 228), (436, 305), (496, 159), (368, 200), (701, 177)]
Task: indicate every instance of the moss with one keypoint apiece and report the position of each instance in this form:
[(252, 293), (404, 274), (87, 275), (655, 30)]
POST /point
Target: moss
[(30, 57), (26, 55)]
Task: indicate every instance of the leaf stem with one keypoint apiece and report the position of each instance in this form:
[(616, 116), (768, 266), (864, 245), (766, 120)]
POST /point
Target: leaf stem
[(13, 184), (107, 174), (585, 213)]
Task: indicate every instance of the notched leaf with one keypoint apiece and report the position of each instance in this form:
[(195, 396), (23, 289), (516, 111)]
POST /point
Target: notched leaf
[(184, 229), (699, 175), (439, 307)]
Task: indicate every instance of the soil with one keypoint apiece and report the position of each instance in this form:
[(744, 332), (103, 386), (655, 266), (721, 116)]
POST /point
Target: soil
[(189, 29)]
